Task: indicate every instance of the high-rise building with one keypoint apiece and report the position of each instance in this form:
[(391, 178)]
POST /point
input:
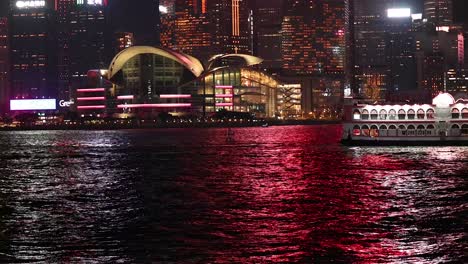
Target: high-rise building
[(384, 48), (84, 42), (4, 64), (33, 49), (439, 12), (314, 37), (205, 28), (123, 40), (268, 16)]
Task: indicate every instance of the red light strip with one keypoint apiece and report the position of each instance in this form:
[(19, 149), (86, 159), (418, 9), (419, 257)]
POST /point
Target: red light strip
[(168, 96), (91, 90), (91, 98), (224, 87), (125, 97), (83, 107), (224, 104), (224, 95), (154, 105)]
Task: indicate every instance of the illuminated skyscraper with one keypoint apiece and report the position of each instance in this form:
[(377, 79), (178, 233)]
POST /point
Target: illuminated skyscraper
[(85, 41), (33, 49), (205, 28), (439, 12), (314, 40), (4, 63), (268, 16)]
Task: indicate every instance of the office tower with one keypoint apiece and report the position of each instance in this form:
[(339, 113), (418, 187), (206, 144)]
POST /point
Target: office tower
[(123, 40), (314, 40), (204, 28), (268, 16), (385, 48), (4, 64), (231, 23), (439, 12), (33, 49), (84, 43)]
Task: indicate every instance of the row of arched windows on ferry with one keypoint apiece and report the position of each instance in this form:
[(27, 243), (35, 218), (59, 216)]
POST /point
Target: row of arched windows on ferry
[(405, 115), (402, 130)]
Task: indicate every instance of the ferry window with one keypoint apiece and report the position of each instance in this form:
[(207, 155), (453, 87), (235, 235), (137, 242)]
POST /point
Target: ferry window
[(401, 114), (430, 114), (356, 115), (374, 114), (383, 115), (365, 115), (420, 130), (411, 127), (374, 131), (392, 114), (365, 130), (421, 114), (392, 127), (411, 114), (455, 113), (464, 130), (356, 131), (430, 127), (383, 127), (465, 113)]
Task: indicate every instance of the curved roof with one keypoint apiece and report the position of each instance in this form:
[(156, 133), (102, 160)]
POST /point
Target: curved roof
[(248, 59), (191, 63)]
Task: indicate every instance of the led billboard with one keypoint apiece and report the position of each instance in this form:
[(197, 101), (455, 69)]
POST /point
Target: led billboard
[(33, 104), (398, 12), (30, 4)]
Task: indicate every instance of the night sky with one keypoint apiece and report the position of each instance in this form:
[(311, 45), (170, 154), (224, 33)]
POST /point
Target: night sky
[(128, 15)]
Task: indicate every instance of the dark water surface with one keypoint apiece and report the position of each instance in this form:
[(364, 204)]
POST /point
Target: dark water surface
[(274, 195)]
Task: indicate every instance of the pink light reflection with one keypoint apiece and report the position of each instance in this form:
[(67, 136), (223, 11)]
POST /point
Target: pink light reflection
[(170, 96), (84, 107), (224, 87), (91, 90), (100, 98), (224, 104), (125, 97), (153, 105), (224, 95)]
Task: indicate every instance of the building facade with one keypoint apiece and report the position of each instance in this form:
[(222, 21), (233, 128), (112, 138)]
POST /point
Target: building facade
[(4, 64), (33, 49), (149, 81), (439, 12), (206, 28)]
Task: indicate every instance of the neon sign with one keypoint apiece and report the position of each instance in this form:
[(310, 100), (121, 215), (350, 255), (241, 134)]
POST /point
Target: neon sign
[(33, 104), (30, 4)]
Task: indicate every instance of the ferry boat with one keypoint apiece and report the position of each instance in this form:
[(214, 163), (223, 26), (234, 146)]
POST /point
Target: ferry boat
[(444, 122)]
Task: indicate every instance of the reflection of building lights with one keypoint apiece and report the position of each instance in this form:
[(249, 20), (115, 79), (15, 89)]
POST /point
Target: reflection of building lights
[(91, 98), (86, 107), (90, 90), (175, 96), (154, 105)]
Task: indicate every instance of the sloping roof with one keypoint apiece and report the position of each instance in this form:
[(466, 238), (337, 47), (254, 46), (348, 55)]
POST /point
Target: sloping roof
[(191, 63)]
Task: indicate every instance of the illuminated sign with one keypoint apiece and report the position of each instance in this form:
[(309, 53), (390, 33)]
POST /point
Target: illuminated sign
[(30, 4), (461, 48), (33, 104), (163, 9), (95, 2), (65, 104), (398, 12), (417, 16)]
